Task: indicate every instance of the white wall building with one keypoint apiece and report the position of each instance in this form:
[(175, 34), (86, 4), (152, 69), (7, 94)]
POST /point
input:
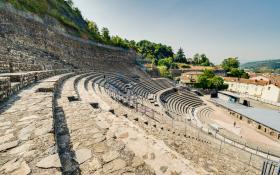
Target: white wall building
[(258, 89), (271, 93)]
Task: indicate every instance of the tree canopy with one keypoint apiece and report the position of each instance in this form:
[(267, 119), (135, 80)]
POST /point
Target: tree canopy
[(105, 35), (154, 51), (208, 80), (231, 65), (201, 60), (180, 56)]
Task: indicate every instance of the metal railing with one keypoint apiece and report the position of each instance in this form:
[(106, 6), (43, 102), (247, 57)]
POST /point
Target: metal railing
[(270, 168)]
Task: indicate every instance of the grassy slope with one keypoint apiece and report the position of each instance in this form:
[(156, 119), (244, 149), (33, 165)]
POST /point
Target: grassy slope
[(59, 9)]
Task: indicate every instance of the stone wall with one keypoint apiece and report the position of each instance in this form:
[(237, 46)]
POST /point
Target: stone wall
[(29, 44)]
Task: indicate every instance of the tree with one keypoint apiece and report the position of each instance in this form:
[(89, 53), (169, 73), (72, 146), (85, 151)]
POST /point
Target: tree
[(230, 63), (235, 72), (119, 42), (132, 44), (208, 80), (163, 71), (196, 59), (240, 73), (105, 34), (208, 73), (70, 3), (204, 61), (93, 30), (202, 81), (167, 62), (201, 60), (216, 82), (180, 56)]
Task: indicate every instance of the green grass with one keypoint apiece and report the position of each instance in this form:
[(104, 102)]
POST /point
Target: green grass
[(54, 8), (36, 6), (65, 21)]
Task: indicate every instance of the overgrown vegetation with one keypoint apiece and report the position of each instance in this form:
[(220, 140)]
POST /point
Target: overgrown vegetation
[(208, 80), (201, 60), (164, 72), (231, 65), (61, 10)]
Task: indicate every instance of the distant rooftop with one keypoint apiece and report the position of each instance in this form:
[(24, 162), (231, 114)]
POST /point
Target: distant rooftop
[(270, 118), (246, 81)]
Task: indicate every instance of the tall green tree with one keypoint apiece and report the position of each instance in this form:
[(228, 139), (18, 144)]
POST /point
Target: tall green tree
[(119, 42), (196, 59), (201, 60), (204, 61), (230, 63), (70, 3), (93, 30), (180, 56), (105, 34)]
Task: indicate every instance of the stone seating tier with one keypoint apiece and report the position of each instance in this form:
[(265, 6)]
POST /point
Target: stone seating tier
[(13, 82)]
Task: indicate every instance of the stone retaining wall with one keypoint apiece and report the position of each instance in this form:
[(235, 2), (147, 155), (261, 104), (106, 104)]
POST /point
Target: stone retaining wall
[(37, 46), (5, 87)]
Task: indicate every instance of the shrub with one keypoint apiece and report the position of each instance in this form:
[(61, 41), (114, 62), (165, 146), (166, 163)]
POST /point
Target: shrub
[(163, 71)]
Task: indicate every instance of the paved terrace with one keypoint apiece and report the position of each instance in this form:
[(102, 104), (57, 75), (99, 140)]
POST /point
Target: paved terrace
[(26, 131)]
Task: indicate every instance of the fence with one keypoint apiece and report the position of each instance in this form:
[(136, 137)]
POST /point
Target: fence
[(270, 168)]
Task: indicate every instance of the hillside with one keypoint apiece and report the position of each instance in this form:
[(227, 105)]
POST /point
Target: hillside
[(63, 11), (262, 65)]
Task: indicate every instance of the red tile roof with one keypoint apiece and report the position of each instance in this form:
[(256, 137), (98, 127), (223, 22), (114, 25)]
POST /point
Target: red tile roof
[(246, 81)]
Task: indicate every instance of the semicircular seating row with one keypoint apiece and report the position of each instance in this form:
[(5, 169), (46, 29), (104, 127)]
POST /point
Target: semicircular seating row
[(139, 87), (204, 114), (179, 102)]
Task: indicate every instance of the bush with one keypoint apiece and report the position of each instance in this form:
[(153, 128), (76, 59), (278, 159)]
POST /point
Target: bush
[(167, 62), (183, 65), (164, 72), (208, 80), (36, 6)]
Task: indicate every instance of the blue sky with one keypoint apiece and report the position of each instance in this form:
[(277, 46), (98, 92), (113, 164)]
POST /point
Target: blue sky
[(248, 29)]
